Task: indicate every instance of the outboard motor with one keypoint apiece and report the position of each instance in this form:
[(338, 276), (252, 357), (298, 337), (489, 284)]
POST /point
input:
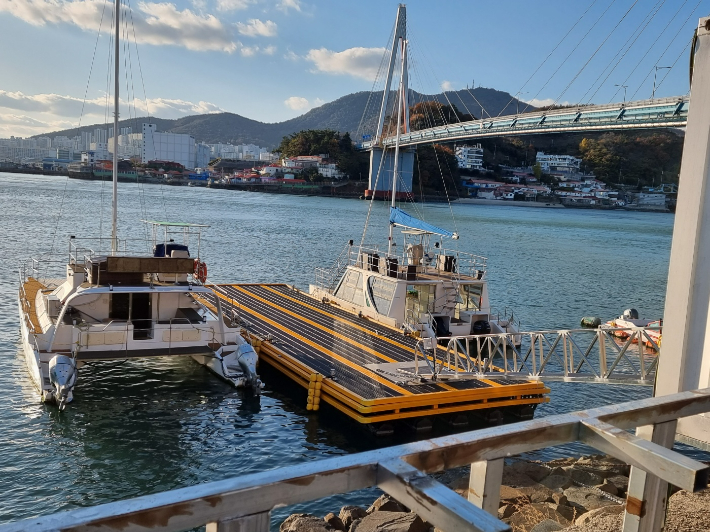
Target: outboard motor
[(630, 314), (481, 327), (244, 360), (62, 375)]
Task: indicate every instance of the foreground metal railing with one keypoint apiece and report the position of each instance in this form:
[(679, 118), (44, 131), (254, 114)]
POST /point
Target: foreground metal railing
[(604, 355), (244, 503)]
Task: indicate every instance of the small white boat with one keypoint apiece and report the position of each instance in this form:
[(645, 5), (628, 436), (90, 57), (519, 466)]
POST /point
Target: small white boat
[(623, 326)]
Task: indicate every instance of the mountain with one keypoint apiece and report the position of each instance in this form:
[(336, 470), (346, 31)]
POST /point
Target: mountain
[(355, 113)]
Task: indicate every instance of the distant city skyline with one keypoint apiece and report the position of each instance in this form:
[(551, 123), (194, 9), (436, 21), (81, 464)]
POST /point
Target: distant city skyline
[(271, 60)]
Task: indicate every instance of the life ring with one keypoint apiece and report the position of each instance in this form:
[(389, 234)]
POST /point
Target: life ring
[(200, 271)]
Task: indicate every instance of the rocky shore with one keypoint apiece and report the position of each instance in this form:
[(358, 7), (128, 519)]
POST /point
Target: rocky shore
[(573, 494)]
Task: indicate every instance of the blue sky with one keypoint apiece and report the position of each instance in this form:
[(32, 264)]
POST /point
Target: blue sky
[(271, 60)]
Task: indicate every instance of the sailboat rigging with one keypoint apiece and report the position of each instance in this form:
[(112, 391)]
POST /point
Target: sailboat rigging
[(120, 305)]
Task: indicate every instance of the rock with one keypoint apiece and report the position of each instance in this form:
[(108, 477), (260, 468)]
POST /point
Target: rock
[(385, 503), (557, 482), (548, 525), (585, 499), (348, 514), (558, 471), (584, 476), (565, 511), (532, 469), (334, 521), (382, 521), (587, 517), (561, 462), (608, 487), (538, 493), (525, 519), (505, 511), (559, 498), (621, 483), (513, 496), (516, 478), (304, 523), (607, 466)]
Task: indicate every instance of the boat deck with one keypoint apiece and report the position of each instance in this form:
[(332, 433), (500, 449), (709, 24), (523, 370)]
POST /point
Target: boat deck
[(30, 287), (355, 365)]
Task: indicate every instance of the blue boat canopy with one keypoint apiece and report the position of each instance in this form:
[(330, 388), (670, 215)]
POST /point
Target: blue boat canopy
[(400, 218)]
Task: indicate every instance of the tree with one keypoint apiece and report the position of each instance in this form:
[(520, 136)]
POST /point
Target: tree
[(436, 168), (537, 170), (326, 142)]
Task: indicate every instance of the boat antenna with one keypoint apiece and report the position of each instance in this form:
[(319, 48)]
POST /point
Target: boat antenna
[(400, 104), (114, 217)]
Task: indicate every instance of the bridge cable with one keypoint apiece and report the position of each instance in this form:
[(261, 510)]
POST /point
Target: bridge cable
[(638, 64), (564, 61), (628, 45), (672, 41), (595, 52), (550, 54), (363, 121)]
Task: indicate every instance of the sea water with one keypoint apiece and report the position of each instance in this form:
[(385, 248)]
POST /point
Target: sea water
[(141, 427)]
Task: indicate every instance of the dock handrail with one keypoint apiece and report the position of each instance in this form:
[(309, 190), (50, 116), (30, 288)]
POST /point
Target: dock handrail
[(559, 355), (245, 502)]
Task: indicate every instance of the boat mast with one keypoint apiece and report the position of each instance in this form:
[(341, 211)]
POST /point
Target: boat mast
[(400, 103), (114, 218)]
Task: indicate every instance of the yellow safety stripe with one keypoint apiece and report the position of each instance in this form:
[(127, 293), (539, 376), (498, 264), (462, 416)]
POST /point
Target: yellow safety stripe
[(328, 352), (338, 318)]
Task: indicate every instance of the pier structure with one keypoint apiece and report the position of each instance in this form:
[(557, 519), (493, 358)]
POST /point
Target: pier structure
[(367, 370)]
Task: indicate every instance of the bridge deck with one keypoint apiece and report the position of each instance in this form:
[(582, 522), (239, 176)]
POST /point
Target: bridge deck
[(357, 362)]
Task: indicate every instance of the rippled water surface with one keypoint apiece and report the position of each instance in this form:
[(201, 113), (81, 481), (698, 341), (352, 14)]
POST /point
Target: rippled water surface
[(147, 426)]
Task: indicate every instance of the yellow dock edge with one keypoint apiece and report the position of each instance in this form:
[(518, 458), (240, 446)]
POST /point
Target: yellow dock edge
[(394, 408)]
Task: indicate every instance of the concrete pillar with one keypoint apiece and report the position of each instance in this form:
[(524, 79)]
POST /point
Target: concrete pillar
[(382, 168)]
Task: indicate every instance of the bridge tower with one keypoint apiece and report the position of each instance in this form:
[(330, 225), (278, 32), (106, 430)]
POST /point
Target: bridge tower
[(381, 160)]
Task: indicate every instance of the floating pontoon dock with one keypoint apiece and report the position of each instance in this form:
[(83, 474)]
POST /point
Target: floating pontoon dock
[(362, 368)]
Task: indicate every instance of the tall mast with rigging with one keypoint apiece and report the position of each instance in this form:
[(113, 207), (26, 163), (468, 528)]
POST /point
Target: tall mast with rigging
[(114, 210), (401, 102)]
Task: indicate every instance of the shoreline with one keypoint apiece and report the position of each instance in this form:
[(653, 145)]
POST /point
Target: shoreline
[(332, 191)]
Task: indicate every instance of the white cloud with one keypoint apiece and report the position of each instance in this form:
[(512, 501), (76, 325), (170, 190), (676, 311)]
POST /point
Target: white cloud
[(257, 28), (359, 62), (292, 56), (446, 85), (233, 5), (285, 5), (298, 103), (269, 50), (535, 102), (155, 23)]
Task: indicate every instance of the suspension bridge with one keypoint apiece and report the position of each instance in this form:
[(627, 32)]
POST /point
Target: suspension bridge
[(654, 113)]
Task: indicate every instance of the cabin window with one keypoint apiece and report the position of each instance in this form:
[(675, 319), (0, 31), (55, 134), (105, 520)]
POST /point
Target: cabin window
[(118, 306), (381, 293), (350, 288), (470, 297)]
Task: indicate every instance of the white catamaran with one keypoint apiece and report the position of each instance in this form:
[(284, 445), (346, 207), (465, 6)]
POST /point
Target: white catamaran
[(112, 304), (424, 289)]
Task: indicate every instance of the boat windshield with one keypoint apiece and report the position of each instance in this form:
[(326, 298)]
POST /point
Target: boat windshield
[(470, 297)]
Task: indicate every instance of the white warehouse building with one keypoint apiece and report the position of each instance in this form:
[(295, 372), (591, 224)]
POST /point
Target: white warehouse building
[(174, 147), (470, 157)]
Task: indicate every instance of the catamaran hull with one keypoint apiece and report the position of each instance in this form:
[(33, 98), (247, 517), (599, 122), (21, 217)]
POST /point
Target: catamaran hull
[(32, 358)]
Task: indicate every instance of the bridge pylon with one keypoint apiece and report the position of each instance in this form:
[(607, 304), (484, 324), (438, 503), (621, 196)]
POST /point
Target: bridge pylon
[(382, 161)]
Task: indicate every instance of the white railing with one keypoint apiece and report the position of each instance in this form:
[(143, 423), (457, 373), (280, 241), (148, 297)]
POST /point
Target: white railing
[(244, 503), (577, 355)]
